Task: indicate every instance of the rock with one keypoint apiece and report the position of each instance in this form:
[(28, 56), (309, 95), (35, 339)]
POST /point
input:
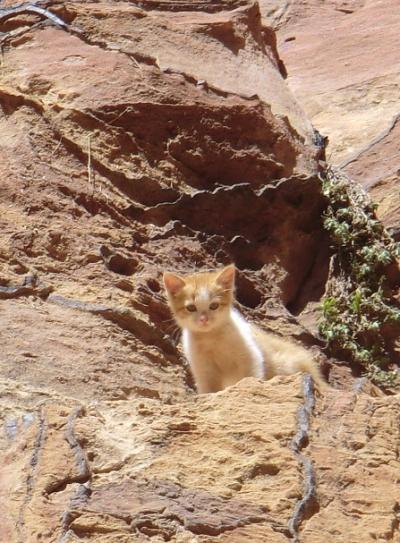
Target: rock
[(107, 139), (136, 139), (83, 356), (346, 89), (378, 160), (222, 45), (330, 55), (200, 470), (384, 193), (350, 466), (377, 168)]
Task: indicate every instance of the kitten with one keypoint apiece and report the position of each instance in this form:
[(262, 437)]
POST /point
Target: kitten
[(221, 346)]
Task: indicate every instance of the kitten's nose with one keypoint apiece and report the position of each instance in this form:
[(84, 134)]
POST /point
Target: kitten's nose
[(203, 318)]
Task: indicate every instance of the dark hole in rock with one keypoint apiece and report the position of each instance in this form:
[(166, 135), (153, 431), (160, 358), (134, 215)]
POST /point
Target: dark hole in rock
[(246, 260), (313, 286), (246, 293), (153, 285), (118, 263), (124, 284)]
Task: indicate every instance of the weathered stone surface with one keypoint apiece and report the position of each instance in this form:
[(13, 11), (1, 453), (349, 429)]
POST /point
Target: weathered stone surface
[(385, 193), (377, 167), (202, 469), (141, 467), (221, 44), (354, 447), (288, 12), (344, 68), (152, 137), (164, 136), (75, 354), (378, 160), (342, 64)]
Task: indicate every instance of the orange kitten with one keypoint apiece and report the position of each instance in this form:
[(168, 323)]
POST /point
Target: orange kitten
[(221, 346)]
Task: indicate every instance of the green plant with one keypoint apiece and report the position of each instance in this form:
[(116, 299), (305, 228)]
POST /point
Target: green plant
[(358, 304)]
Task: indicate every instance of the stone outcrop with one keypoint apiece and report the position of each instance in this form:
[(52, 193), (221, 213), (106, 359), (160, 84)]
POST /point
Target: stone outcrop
[(151, 167), (377, 167), (137, 469), (156, 135), (343, 68), (342, 64)]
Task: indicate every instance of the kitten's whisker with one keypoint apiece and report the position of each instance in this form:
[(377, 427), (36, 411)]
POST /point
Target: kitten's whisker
[(168, 320), (174, 332), (176, 335), (171, 328)]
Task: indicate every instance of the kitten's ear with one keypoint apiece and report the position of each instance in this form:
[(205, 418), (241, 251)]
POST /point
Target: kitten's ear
[(226, 277), (173, 283)]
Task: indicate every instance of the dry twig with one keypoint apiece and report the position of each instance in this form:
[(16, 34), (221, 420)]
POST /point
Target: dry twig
[(91, 178)]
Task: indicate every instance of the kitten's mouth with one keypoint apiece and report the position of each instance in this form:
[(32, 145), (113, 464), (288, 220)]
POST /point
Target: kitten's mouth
[(203, 325)]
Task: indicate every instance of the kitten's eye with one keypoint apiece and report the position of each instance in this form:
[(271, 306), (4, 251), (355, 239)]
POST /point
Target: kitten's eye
[(214, 306), (191, 307)]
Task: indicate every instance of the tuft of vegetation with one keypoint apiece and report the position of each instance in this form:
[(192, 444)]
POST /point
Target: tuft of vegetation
[(357, 307)]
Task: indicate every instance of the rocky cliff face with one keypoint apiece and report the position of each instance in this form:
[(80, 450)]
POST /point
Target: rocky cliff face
[(343, 67), (161, 135)]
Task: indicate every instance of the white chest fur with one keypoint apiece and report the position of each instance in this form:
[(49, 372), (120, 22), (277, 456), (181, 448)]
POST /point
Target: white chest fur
[(222, 357)]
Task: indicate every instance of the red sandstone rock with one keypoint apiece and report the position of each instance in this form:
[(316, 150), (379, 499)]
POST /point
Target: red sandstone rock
[(137, 146), (343, 68)]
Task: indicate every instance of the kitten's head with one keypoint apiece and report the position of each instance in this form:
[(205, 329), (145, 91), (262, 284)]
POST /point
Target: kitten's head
[(201, 301)]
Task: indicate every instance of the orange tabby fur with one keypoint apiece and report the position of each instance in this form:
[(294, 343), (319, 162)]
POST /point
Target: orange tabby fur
[(220, 345)]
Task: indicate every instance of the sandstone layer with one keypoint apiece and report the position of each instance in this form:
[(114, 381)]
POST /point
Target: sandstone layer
[(115, 169), (201, 470), (122, 155), (343, 67)]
